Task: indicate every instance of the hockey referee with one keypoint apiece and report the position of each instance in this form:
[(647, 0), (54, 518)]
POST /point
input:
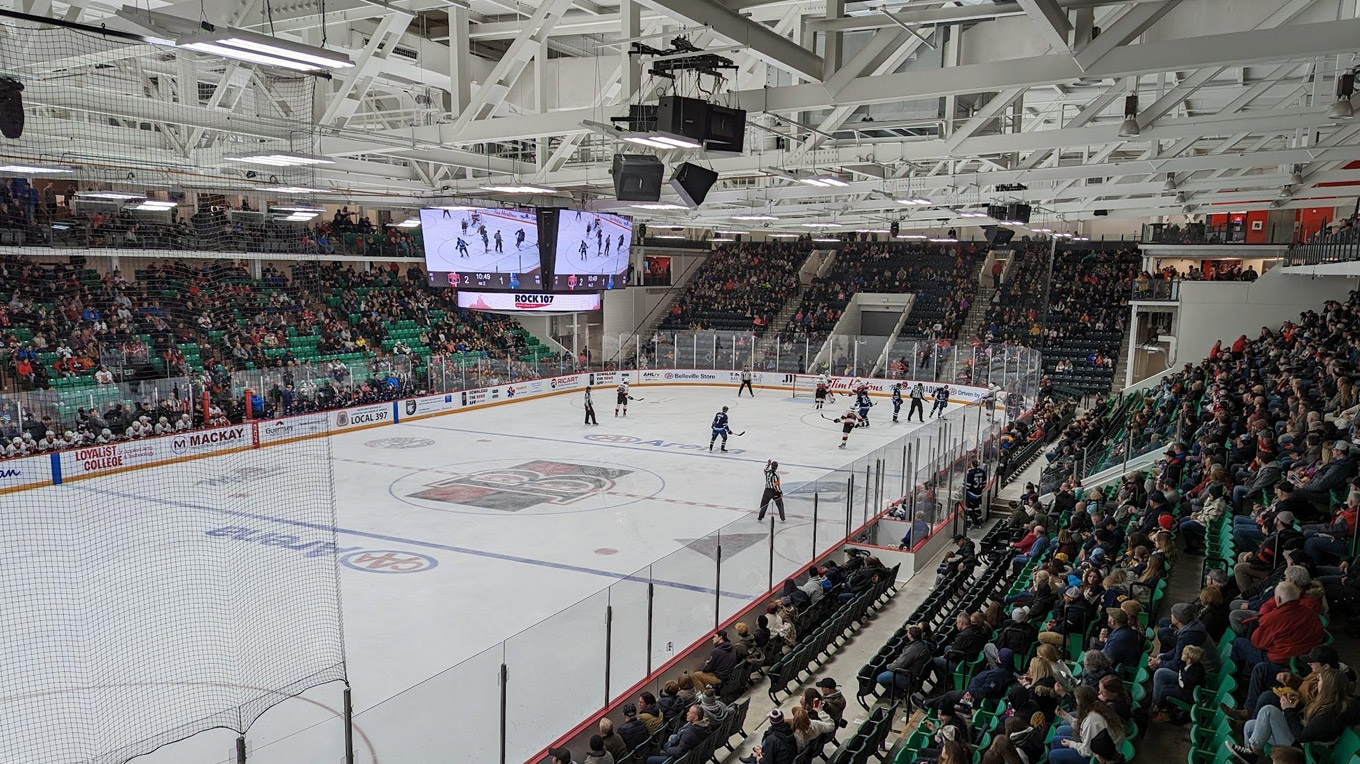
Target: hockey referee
[(772, 491)]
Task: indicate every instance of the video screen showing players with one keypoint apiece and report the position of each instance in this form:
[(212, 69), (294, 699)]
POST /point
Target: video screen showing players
[(487, 248), (592, 250)]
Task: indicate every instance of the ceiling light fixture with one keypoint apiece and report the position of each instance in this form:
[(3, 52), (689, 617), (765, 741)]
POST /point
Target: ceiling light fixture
[(241, 45), (731, 233), (24, 169), (917, 236), (666, 236), (1296, 179), (115, 196), (155, 205), (914, 201), (820, 225), (721, 240), (1129, 127), (279, 160), (292, 190), (972, 214), (512, 188), (754, 217), (945, 240), (663, 141), (658, 206), (1345, 88), (825, 239), (783, 235), (407, 223), (313, 210)]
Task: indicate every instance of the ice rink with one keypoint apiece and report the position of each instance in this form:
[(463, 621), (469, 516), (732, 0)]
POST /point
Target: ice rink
[(458, 533)]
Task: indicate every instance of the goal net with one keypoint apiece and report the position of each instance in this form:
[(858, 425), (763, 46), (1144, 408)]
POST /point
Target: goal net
[(805, 386)]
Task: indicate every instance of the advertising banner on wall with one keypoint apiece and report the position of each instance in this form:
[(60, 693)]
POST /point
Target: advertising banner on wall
[(287, 428), (541, 302), (359, 416)]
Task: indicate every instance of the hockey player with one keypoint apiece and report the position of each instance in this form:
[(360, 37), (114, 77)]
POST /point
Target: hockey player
[(896, 399), (918, 397), (746, 383), (849, 421), (974, 484), (772, 491), (941, 401), (863, 403), (820, 395), (462, 248), (720, 428), (590, 409), (622, 397)]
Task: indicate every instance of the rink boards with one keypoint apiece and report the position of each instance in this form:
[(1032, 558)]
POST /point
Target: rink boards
[(94, 461)]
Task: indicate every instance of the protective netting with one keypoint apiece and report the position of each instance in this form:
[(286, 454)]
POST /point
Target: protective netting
[(171, 563)]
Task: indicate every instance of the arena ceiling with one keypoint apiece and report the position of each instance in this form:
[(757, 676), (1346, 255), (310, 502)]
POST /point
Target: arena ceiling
[(945, 101)]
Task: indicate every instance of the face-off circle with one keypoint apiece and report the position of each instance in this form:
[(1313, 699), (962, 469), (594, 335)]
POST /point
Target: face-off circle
[(526, 487)]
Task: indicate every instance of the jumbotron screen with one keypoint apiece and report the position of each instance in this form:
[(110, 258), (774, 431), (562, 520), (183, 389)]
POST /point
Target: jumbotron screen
[(592, 250), (482, 248)]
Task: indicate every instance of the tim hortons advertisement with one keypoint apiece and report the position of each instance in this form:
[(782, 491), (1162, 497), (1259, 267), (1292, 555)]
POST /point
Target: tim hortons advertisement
[(25, 472)]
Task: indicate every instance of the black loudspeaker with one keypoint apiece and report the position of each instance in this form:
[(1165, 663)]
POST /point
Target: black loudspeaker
[(11, 108), (637, 178), (1017, 213), (726, 129), (687, 117), (1100, 213), (997, 211), (997, 236), (692, 182), (893, 229)]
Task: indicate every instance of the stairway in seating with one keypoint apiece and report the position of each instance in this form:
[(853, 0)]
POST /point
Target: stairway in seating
[(1121, 363), (976, 312)]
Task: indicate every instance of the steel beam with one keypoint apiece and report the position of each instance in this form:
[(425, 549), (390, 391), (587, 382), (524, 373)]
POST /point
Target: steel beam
[(1136, 21), (764, 42), (1050, 20)]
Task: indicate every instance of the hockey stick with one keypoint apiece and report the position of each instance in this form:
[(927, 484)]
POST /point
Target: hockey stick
[(739, 434)]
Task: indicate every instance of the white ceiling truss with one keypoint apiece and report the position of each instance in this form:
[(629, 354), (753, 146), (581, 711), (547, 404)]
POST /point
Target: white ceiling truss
[(941, 99)]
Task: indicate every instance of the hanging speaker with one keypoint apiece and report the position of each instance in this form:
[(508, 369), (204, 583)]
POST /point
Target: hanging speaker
[(692, 183), (637, 178), (11, 108)]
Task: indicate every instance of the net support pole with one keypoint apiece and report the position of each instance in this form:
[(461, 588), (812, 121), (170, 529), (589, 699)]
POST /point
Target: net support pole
[(817, 496), (651, 599), (240, 749), (849, 502), (608, 648), (770, 577), (717, 587), (349, 726), (505, 679)]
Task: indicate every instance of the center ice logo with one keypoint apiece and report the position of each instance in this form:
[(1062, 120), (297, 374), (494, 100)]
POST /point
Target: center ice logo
[(386, 561), (522, 486)]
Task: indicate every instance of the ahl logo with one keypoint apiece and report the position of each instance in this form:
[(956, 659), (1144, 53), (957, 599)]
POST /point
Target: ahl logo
[(388, 561)]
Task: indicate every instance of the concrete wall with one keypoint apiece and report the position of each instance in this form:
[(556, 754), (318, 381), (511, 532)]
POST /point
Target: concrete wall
[(1212, 311)]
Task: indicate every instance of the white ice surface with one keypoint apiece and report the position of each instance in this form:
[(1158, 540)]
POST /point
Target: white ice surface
[(424, 648)]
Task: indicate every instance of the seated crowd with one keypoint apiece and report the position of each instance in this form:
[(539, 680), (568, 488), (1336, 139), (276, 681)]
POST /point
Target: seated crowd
[(943, 280), (693, 706), (741, 287), (1081, 327), (318, 327)]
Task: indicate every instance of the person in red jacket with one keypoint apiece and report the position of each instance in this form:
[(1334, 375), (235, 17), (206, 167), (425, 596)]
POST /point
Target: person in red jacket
[(1290, 630)]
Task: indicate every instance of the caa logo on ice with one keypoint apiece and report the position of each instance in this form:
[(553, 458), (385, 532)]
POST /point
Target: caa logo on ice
[(388, 561)]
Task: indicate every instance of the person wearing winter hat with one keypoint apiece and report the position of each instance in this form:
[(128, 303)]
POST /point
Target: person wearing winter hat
[(778, 745), (633, 731), (714, 710)]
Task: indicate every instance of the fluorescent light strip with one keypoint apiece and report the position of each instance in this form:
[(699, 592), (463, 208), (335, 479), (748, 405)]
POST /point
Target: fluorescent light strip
[(33, 170), (917, 236), (513, 189), (814, 182), (823, 238), (226, 51), (331, 62), (280, 160), (666, 236), (783, 236), (721, 240), (820, 225), (643, 141), (658, 206), (676, 143), (914, 201), (293, 190), (732, 233), (754, 217), (407, 223), (119, 196), (313, 210), (458, 208), (871, 230), (945, 240)]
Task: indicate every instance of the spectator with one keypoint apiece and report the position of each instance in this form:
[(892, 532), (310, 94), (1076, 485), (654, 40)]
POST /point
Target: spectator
[(722, 661), (690, 736), (777, 746)]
